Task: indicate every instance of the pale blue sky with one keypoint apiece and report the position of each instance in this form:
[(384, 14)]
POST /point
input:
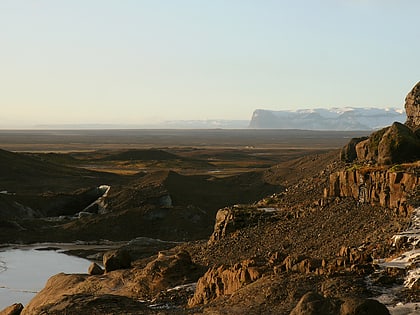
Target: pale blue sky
[(138, 61)]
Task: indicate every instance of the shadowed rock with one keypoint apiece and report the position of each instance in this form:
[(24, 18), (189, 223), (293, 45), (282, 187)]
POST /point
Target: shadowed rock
[(398, 143), (95, 270), (314, 304), (116, 259), (412, 107), (14, 309), (225, 281)]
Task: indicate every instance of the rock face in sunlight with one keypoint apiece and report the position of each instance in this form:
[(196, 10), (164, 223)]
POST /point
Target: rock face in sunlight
[(412, 107)]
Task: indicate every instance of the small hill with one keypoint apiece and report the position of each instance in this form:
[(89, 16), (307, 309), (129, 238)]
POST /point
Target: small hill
[(143, 155), (23, 173)]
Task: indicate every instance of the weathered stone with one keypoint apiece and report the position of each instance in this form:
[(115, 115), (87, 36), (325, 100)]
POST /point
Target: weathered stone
[(348, 152), (387, 188), (234, 218), (362, 150), (14, 309), (224, 280), (314, 304), (412, 107), (363, 307), (95, 269), (169, 269), (116, 259), (399, 144)]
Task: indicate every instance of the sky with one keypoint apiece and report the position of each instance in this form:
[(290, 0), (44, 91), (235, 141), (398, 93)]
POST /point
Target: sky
[(147, 61)]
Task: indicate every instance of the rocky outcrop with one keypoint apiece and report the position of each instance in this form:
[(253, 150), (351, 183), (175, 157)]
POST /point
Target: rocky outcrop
[(79, 293), (388, 188), (314, 304), (95, 269), (348, 152), (395, 144), (116, 259), (234, 218), (398, 143), (225, 280), (412, 107), (14, 309)]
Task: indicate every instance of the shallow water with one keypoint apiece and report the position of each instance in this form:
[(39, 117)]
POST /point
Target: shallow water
[(24, 272)]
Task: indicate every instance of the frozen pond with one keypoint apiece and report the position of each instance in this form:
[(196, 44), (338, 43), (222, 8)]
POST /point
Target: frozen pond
[(24, 272)]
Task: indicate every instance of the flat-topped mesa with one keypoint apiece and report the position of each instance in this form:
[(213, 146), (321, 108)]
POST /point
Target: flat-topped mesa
[(412, 107)]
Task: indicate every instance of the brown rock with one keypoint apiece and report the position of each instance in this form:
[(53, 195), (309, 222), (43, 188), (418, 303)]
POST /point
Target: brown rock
[(170, 269), (412, 107), (348, 153), (314, 304), (95, 269), (387, 188), (224, 281), (363, 307), (231, 219), (116, 259), (362, 150), (14, 309), (398, 144)]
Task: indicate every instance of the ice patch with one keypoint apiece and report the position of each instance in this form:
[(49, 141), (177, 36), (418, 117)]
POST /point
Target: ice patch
[(409, 261)]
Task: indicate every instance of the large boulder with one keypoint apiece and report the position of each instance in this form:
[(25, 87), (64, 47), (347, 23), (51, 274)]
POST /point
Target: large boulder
[(395, 144), (363, 307), (116, 259), (348, 153), (314, 304), (398, 144), (412, 107)]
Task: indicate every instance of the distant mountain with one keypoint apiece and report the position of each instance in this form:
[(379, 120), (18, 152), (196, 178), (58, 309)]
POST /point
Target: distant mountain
[(348, 118)]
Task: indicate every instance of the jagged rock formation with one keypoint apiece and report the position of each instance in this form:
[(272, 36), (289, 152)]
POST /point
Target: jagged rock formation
[(388, 188), (224, 281), (412, 107)]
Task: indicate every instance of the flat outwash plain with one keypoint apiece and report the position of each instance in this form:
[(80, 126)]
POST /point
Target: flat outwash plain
[(215, 221)]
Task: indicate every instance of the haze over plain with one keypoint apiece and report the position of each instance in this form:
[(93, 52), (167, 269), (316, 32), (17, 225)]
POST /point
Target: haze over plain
[(142, 62)]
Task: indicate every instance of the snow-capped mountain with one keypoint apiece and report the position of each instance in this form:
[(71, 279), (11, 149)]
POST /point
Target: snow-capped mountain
[(347, 118)]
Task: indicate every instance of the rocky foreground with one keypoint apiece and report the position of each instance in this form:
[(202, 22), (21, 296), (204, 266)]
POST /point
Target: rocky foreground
[(319, 245)]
